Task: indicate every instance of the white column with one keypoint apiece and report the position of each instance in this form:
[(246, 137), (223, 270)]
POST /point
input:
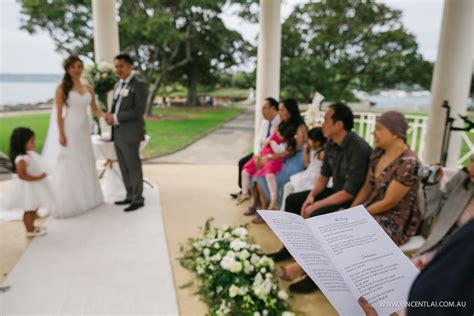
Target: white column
[(106, 36), (451, 78), (268, 56)]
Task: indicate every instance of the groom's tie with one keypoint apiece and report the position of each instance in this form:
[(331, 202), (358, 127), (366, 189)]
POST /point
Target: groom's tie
[(117, 97)]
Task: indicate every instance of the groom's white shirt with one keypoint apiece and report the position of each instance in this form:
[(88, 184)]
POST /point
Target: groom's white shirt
[(117, 93)]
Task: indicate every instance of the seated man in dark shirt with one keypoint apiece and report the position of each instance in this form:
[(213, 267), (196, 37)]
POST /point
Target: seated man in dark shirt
[(346, 160)]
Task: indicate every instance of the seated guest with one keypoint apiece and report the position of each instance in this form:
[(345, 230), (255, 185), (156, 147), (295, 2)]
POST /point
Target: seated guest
[(289, 112), (268, 126), (453, 207), (390, 191), (283, 139), (313, 160), (346, 160), (447, 278)]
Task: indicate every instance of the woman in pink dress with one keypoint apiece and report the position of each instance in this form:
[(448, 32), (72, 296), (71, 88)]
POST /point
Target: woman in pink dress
[(278, 142)]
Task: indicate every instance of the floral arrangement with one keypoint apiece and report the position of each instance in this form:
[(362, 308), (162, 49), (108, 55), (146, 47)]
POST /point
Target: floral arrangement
[(234, 277), (102, 78)]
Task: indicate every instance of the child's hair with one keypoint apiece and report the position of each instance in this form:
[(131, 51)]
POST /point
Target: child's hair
[(288, 132), (18, 140), (316, 135)]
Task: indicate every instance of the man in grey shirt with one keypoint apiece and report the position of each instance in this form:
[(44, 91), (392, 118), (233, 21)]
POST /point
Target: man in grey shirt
[(346, 160)]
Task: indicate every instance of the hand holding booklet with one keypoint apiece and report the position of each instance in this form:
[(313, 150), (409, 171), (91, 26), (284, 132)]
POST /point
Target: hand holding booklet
[(348, 255)]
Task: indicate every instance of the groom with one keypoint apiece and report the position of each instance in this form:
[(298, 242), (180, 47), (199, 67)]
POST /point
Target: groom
[(128, 129)]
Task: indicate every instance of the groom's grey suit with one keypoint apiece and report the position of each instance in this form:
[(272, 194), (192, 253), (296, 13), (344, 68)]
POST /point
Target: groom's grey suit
[(128, 131)]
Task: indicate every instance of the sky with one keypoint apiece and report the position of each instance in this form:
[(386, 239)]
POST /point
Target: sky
[(21, 52)]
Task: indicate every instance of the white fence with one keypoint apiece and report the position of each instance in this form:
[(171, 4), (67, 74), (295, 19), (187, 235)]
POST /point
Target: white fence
[(365, 126)]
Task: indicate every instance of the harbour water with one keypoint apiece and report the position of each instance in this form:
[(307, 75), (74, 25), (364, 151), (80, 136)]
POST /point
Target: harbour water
[(29, 90)]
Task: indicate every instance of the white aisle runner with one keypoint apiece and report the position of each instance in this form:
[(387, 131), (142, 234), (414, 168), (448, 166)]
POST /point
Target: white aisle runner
[(104, 262)]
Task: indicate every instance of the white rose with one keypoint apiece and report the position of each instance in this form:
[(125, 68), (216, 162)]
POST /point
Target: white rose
[(259, 292), (216, 245), (241, 232), (226, 262), (256, 314), (124, 93), (282, 295), (235, 267), (263, 270), (266, 261), (247, 267), (265, 312), (243, 291), (233, 291), (287, 313), (254, 247), (226, 236), (200, 270), (244, 254), (254, 259), (103, 66), (216, 257), (238, 245), (206, 252), (226, 227)]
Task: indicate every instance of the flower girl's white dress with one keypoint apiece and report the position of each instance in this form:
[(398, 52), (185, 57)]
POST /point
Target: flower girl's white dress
[(29, 195)]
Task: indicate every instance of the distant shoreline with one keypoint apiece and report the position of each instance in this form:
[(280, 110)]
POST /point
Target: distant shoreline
[(26, 107)]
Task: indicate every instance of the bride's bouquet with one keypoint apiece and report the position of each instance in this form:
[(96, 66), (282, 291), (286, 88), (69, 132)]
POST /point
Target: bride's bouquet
[(102, 77), (235, 278)]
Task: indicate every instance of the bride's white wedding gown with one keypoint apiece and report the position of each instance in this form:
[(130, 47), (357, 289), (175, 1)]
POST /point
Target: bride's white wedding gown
[(75, 183)]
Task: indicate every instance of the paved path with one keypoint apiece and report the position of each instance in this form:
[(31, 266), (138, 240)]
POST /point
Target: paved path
[(223, 146)]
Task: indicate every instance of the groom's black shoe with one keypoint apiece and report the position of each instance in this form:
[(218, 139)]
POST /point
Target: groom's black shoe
[(123, 202), (134, 206)]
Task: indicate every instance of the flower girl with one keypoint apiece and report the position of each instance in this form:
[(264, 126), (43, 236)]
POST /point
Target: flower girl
[(29, 189)]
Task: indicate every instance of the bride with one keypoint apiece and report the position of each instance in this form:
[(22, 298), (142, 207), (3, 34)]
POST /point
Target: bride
[(68, 148)]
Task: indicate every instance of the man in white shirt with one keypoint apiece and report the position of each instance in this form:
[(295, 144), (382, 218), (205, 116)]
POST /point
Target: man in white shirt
[(270, 122)]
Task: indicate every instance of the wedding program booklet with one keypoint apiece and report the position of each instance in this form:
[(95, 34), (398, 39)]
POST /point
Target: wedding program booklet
[(348, 255)]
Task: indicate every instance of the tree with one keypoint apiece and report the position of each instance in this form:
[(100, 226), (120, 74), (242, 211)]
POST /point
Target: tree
[(336, 46), (69, 23), (213, 46), (159, 34)]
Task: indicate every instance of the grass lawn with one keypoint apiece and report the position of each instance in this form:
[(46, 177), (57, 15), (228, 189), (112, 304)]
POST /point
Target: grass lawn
[(187, 125), (174, 128)]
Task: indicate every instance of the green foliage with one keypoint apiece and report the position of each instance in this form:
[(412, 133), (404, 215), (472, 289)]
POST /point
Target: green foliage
[(337, 46), (68, 22)]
